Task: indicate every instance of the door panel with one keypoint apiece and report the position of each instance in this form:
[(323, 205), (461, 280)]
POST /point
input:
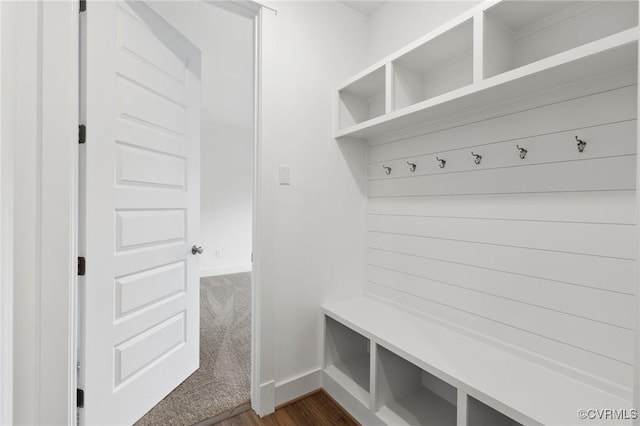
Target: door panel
[(139, 300)]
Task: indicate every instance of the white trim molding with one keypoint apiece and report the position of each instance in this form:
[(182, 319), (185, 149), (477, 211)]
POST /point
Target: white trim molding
[(44, 118), (266, 399), (636, 358), (295, 387), (59, 212), (6, 224)]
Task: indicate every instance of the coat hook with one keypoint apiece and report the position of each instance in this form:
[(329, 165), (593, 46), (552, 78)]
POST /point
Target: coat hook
[(581, 144), (442, 162), (387, 169), (523, 152), (477, 158), (412, 166)]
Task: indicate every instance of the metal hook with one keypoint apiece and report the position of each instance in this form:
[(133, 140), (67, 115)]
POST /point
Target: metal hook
[(387, 169), (523, 152), (442, 162), (477, 158), (581, 144), (412, 166)]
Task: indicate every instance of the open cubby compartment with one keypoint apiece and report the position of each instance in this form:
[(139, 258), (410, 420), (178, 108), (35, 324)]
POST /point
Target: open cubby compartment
[(362, 99), (408, 395), (517, 33), (479, 414), (440, 65), (347, 359)]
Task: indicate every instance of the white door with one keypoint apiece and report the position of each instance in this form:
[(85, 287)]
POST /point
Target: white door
[(139, 299)]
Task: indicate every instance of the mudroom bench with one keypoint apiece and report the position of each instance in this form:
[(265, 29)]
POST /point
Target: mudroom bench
[(387, 366)]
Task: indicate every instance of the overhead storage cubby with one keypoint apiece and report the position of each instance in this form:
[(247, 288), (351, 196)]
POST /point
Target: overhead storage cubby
[(362, 99), (493, 54), (438, 66), (347, 358), (517, 33), (408, 395)]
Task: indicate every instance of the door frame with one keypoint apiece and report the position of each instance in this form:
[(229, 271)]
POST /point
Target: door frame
[(45, 118), (53, 352), (6, 243)]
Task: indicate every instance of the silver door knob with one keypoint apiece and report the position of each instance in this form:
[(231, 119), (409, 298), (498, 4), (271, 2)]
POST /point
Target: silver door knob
[(196, 250)]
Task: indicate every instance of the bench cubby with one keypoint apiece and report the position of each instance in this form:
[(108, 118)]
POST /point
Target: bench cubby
[(406, 394), (347, 359), (479, 414), (420, 366)]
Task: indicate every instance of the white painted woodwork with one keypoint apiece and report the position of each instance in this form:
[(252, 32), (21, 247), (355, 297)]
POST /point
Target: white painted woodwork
[(406, 395), (479, 414), (354, 406), (140, 309), (529, 31), (347, 359), (543, 149), (573, 67), (462, 405), (607, 307), (620, 107), (139, 290), (533, 259), (522, 391), (442, 64), (363, 99), (144, 167), (538, 253), (546, 44)]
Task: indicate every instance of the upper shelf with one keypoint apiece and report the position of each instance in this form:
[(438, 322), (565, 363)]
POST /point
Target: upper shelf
[(494, 53)]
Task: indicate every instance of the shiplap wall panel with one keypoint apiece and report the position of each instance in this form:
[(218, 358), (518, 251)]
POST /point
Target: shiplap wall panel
[(611, 274), (614, 375), (582, 238), (537, 253), (586, 302), (598, 174), (540, 150), (612, 342), (593, 207)]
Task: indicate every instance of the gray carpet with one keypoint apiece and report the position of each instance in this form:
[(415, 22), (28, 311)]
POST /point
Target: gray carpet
[(222, 382)]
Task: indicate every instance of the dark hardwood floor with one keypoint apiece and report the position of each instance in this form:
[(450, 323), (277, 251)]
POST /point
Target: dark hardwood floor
[(317, 409)]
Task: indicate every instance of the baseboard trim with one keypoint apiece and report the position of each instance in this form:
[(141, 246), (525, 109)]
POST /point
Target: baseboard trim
[(224, 270), (266, 404), (295, 387)]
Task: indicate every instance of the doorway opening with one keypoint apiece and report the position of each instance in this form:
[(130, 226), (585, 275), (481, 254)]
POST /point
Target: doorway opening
[(220, 387), (184, 100)]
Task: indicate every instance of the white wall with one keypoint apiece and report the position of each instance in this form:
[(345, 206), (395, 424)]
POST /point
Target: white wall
[(400, 22), (315, 251), (226, 42)]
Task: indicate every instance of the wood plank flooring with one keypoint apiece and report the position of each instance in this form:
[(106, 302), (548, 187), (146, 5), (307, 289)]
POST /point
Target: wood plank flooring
[(317, 409)]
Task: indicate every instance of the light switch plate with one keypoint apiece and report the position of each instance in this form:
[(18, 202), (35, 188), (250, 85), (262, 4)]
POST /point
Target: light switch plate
[(283, 175)]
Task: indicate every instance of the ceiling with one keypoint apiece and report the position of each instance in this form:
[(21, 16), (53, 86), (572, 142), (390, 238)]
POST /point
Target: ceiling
[(365, 7)]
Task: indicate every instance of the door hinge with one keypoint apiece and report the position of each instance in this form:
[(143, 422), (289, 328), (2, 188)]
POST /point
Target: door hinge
[(82, 133), (81, 266), (79, 398), (83, 5), (251, 257)]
